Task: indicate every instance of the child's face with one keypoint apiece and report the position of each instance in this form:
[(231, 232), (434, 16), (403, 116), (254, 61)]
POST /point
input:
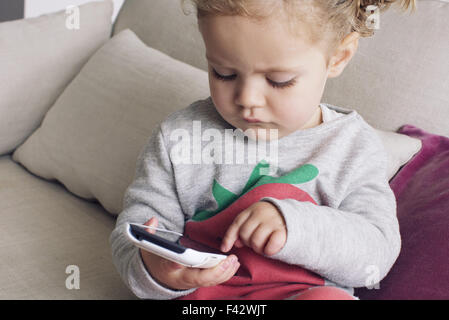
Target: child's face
[(255, 58)]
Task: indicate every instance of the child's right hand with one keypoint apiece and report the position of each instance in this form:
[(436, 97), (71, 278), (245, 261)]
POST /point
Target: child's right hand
[(178, 277)]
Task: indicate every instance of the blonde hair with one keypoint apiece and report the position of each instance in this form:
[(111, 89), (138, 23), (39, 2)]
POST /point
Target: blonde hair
[(326, 22)]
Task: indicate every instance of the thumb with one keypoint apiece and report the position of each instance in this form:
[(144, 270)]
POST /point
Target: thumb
[(151, 223)]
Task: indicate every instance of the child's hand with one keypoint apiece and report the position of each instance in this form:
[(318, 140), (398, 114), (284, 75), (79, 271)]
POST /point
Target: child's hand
[(175, 276), (261, 227)]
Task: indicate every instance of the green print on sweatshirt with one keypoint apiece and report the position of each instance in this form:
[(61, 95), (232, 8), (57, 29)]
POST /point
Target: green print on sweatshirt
[(224, 197)]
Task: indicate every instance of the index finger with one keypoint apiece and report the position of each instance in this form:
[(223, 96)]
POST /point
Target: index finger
[(232, 233)]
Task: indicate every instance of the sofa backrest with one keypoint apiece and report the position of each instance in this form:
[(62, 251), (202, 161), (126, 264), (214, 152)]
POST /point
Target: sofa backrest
[(398, 76), (162, 25)]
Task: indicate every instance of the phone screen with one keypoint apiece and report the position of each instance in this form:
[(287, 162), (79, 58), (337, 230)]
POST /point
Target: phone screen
[(141, 234)]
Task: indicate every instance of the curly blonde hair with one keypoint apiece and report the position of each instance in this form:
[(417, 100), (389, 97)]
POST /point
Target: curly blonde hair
[(324, 22)]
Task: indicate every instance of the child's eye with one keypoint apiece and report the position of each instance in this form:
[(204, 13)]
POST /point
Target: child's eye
[(281, 85), (223, 78), (271, 82)]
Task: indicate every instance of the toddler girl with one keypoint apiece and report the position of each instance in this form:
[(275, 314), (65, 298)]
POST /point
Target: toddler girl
[(311, 222)]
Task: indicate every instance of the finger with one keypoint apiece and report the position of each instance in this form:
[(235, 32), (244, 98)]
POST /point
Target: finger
[(246, 231), (232, 233), (259, 238), (276, 242)]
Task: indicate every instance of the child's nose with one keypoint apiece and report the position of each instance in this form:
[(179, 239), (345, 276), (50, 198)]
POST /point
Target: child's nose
[(249, 95)]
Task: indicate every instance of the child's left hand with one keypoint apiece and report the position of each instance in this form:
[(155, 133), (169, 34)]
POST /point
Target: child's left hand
[(261, 227)]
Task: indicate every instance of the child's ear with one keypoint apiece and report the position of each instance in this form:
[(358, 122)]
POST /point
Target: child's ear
[(343, 54)]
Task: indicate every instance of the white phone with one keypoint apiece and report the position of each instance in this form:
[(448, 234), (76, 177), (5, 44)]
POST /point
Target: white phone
[(172, 250)]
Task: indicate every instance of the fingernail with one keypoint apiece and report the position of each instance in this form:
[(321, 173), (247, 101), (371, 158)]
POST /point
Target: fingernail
[(225, 264), (236, 264), (233, 260)]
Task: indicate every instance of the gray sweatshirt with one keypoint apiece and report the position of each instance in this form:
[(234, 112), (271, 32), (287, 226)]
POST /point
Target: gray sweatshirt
[(350, 236)]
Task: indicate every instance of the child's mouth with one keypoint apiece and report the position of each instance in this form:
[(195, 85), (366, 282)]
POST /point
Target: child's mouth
[(252, 120)]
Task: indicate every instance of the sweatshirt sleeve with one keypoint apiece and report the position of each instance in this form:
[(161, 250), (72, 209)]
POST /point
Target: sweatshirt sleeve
[(351, 243), (151, 194)]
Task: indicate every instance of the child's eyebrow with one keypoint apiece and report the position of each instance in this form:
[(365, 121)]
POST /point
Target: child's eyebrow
[(273, 69)]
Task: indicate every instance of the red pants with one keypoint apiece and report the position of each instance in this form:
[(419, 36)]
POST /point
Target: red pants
[(323, 293)]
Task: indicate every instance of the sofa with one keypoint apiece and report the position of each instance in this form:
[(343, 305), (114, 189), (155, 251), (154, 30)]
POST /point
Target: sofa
[(79, 102)]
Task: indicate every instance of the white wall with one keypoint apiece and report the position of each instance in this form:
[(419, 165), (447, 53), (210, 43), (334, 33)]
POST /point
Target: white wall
[(34, 8)]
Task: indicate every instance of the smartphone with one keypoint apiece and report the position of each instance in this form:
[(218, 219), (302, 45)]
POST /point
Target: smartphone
[(172, 250)]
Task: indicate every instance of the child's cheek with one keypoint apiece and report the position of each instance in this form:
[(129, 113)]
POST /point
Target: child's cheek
[(221, 95)]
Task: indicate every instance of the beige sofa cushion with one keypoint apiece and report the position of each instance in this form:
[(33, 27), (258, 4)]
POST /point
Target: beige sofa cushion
[(38, 58), (43, 230), (90, 139), (398, 76)]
